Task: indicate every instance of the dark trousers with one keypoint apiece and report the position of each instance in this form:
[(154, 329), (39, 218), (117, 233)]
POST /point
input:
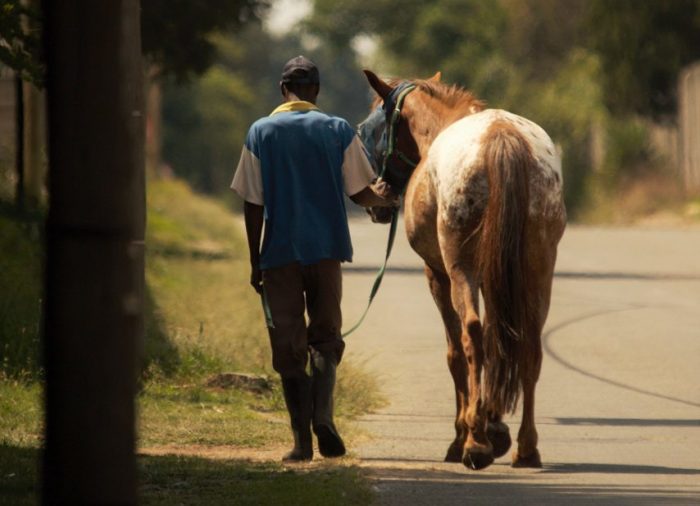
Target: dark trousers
[(293, 290)]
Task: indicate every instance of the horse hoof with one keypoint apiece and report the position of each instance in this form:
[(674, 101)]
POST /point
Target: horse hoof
[(499, 435), (533, 460), (454, 452), (477, 459)]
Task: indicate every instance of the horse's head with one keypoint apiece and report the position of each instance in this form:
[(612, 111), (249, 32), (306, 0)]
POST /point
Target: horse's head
[(387, 137)]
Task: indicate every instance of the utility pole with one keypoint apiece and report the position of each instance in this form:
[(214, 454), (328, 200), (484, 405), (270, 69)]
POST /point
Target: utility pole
[(94, 281)]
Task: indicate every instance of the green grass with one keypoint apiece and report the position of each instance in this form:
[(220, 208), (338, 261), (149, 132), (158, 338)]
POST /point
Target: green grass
[(208, 320), (186, 415), (691, 210), (202, 481), (20, 413), (202, 319), (20, 296), (197, 273)]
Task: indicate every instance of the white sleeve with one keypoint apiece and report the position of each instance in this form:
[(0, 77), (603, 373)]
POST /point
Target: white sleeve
[(357, 171), (247, 181)]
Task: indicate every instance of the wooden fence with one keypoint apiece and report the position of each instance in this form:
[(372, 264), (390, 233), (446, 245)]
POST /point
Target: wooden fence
[(689, 126)]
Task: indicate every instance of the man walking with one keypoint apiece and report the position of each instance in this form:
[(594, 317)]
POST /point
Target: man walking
[(294, 169)]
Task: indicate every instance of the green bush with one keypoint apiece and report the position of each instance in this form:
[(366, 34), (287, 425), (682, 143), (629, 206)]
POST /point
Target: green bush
[(20, 297), (628, 150)]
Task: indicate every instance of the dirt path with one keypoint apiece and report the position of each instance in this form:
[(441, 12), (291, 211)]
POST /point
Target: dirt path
[(618, 407)]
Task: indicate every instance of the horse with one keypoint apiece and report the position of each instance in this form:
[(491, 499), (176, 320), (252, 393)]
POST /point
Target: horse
[(483, 208)]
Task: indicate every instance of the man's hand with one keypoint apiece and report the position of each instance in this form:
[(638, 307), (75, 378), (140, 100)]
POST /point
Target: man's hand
[(385, 191), (378, 194), (256, 279)]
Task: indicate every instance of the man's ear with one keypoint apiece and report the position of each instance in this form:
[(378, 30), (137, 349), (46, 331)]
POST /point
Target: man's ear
[(283, 89), (436, 78), (382, 88)]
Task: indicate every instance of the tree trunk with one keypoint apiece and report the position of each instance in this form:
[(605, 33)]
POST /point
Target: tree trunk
[(19, 141), (153, 121), (34, 129), (94, 280), (34, 139)]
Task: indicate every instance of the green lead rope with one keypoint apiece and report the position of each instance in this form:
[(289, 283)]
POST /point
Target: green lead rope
[(395, 116), (380, 274), (394, 218), (266, 310), (375, 288)]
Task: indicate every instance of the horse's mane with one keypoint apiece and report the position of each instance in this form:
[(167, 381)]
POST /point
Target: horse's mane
[(452, 95)]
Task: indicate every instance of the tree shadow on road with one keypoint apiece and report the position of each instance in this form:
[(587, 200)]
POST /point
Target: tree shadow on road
[(501, 485), (630, 422), (568, 468)]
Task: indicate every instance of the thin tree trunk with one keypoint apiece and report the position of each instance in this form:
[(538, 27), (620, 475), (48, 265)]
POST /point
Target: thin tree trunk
[(34, 133), (33, 145), (19, 141), (94, 268), (153, 121)]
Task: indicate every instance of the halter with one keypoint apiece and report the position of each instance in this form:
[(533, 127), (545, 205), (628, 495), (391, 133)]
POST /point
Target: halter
[(395, 101), (381, 150)]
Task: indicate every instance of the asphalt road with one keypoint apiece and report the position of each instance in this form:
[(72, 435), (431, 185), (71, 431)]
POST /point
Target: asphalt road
[(618, 402)]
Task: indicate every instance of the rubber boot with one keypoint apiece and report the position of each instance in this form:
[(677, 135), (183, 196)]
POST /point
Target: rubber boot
[(323, 366), (297, 395)]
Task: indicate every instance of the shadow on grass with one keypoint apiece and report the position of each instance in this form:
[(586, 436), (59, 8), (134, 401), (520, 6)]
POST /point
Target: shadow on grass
[(22, 247), (158, 349), (18, 475), (194, 480), (167, 480), (20, 297)]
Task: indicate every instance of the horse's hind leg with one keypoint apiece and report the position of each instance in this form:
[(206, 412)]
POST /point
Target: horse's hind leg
[(499, 435), (527, 454), (439, 284), (496, 430), (478, 451)]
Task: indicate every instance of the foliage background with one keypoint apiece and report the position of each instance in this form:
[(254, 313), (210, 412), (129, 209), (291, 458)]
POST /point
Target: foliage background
[(599, 76)]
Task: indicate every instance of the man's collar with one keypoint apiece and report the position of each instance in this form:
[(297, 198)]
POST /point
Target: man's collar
[(295, 105)]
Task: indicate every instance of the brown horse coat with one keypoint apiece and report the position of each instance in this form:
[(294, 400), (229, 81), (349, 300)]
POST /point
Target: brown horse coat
[(484, 209)]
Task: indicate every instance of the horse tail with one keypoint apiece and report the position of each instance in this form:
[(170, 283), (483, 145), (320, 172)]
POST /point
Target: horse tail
[(501, 263)]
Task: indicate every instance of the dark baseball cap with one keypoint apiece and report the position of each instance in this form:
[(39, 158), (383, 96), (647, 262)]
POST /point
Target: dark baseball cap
[(300, 70)]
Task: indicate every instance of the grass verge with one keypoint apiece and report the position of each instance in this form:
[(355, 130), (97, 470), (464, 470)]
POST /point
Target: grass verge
[(202, 320), (20, 295)]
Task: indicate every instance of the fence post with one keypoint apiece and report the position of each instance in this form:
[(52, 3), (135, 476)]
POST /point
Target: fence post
[(689, 125)]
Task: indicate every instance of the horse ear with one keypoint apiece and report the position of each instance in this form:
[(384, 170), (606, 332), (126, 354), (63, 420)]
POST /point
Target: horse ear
[(382, 88), (436, 78)]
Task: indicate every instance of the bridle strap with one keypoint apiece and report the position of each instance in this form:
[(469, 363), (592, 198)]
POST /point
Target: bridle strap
[(380, 274), (391, 150), (391, 134)]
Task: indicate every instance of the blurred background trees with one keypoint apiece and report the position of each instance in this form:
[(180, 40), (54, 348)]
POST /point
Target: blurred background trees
[(205, 121), (601, 76)]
